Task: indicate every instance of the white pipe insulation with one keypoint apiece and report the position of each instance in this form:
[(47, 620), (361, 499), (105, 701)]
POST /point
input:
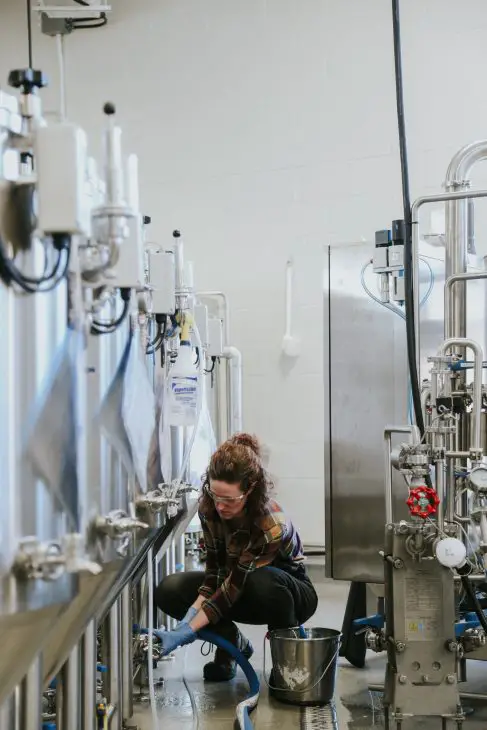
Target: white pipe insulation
[(234, 390)]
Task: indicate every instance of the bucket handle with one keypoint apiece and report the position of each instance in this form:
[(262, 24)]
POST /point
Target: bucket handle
[(297, 691)]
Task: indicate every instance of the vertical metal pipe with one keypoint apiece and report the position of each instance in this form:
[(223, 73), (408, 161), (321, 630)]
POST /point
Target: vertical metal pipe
[(217, 403), (176, 451), (127, 653), (114, 678), (180, 553), (388, 481), (471, 226), (7, 714), (456, 263), (450, 492), (31, 697), (67, 693), (440, 474), (165, 564), (88, 669)]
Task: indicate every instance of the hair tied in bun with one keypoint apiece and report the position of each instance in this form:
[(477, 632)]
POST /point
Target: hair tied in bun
[(245, 439)]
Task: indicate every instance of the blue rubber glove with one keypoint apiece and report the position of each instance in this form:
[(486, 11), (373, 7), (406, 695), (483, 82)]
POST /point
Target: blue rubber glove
[(190, 614), (183, 634)]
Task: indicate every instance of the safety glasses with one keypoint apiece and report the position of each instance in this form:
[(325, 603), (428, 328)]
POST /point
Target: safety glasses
[(224, 500)]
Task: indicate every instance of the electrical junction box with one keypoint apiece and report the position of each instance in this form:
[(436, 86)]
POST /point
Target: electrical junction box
[(396, 258), (201, 321), (128, 272), (162, 280), (215, 337), (61, 166), (381, 260), (399, 289)]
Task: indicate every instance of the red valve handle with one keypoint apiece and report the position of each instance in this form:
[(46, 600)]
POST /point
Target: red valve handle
[(423, 501)]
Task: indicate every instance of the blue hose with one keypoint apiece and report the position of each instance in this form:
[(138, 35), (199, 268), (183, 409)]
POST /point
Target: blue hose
[(245, 707)]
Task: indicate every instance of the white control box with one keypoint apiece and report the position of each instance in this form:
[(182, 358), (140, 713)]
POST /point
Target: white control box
[(201, 320), (61, 167), (129, 270), (162, 280), (215, 337)]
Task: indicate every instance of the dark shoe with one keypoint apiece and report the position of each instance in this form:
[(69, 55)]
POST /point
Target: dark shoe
[(224, 667)]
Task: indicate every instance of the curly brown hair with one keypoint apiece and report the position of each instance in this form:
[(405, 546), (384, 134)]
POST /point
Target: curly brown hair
[(239, 461)]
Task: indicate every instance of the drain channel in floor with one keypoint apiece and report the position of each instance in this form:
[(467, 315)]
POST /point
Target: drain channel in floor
[(319, 718)]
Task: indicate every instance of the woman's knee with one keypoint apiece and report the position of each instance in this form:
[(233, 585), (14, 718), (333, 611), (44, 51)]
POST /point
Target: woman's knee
[(265, 585), (176, 592)]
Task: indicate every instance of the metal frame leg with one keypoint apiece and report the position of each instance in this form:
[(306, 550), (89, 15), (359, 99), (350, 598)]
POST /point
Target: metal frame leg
[(31, 697), (112, 652), (68, 693), (127, 653), (88, 671)]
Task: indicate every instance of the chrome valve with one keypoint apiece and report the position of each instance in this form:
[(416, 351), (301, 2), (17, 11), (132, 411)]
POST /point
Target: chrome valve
[(47, 561), (156, 499), (118, 526)]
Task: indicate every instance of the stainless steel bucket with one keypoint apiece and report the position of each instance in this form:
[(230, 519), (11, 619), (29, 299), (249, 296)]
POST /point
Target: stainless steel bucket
[(304, 669)]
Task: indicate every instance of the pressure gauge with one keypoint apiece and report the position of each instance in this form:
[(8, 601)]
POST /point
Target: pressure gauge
[(478, 478)]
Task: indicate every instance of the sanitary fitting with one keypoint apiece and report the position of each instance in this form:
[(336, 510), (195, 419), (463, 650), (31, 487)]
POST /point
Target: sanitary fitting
[(476, 456), (396, 563), (473, 639), (47, 561), (452, 646), (375, 640), (118, 526), (156, 499)]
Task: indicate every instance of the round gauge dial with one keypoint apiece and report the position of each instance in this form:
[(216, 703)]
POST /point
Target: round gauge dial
[(478, 477)]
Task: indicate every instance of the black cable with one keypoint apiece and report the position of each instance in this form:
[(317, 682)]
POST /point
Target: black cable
[(46, 277), (408, 259), (213, 363), (101, 328), (471, 593), (89, 22), (158, 341), (9, 273), (156, 338), (29, 32)]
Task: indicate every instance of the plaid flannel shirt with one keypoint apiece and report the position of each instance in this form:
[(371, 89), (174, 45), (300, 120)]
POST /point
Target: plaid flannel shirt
[(235, 550)]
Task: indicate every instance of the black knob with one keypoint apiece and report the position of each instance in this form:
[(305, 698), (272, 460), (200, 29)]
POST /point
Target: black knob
[(27, 79), (176, 234), (109, 108), (146, 220)]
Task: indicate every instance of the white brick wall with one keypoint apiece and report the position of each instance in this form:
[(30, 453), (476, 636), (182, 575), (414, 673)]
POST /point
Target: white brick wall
[(267, 128)]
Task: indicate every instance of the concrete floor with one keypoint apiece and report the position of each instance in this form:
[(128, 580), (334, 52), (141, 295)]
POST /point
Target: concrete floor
[(355, 707)]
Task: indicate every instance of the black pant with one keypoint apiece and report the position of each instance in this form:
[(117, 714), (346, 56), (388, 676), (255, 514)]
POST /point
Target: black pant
[(271, 596)]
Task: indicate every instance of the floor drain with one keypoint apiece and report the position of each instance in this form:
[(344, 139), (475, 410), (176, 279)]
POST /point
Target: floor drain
[(319, 718)]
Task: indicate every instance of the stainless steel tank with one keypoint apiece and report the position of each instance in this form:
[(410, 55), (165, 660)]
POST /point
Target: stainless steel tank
[(31, 330)]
